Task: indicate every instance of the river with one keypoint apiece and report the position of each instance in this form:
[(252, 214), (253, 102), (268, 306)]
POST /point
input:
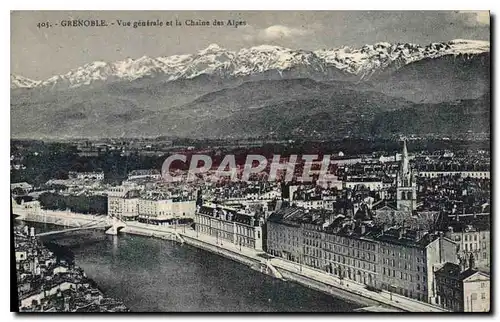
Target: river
[(155, 275)]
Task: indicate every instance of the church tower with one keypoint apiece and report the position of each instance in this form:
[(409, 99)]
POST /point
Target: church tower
[(406, 196)]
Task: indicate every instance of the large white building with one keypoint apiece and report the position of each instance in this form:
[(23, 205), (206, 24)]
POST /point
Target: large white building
[(242, 228), (86, 175), (319, 203), (373, 184), (152, 174), (160, 210), (463, 174), (123, 202), (127, 202)]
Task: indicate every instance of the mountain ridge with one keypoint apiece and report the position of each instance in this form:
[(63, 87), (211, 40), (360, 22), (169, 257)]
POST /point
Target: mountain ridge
[(345, 62)]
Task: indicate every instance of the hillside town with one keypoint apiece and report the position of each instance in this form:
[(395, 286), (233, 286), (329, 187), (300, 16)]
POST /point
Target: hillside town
[(46, 283)]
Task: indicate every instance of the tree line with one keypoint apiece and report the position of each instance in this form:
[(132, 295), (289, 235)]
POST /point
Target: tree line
[(79, 204)]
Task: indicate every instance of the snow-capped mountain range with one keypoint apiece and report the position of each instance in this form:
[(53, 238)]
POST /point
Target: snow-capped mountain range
[(361, 63)]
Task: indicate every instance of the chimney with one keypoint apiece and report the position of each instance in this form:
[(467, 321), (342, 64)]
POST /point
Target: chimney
[(471, 261), (462, 263)]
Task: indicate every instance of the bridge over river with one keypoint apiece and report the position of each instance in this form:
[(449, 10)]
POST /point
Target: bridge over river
[(102, 224), (75, 222), (111, 224)]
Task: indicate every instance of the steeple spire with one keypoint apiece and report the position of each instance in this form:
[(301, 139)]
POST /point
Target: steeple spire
[(406, 185), (405, 160)]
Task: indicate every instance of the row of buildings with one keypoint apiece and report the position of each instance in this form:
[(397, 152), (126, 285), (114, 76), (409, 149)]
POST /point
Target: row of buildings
[(408, 262), (394, 245)]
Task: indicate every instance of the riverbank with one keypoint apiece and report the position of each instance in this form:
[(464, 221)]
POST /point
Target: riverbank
[(276, 267), (290, 271)]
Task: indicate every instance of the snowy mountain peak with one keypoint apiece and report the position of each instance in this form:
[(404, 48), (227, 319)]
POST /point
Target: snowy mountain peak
[(361, 63), (470, 46), (212, 48), (268, 48), (18, 81)]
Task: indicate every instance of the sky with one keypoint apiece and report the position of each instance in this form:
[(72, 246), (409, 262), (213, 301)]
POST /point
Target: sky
[(39, 52)]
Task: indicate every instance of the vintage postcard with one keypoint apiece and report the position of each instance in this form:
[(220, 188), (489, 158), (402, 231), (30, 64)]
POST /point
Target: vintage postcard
[(252, 161)]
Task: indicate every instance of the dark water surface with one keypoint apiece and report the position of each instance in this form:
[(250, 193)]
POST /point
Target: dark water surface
[(151, 274)]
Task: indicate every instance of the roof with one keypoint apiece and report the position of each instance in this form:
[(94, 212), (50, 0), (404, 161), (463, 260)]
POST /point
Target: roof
[(384, 204), (289, 215), (450, 270), (479, 222), (467, 273), (22, 185), (297, 215), (400, 236), (329, 221), (234, 215)]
